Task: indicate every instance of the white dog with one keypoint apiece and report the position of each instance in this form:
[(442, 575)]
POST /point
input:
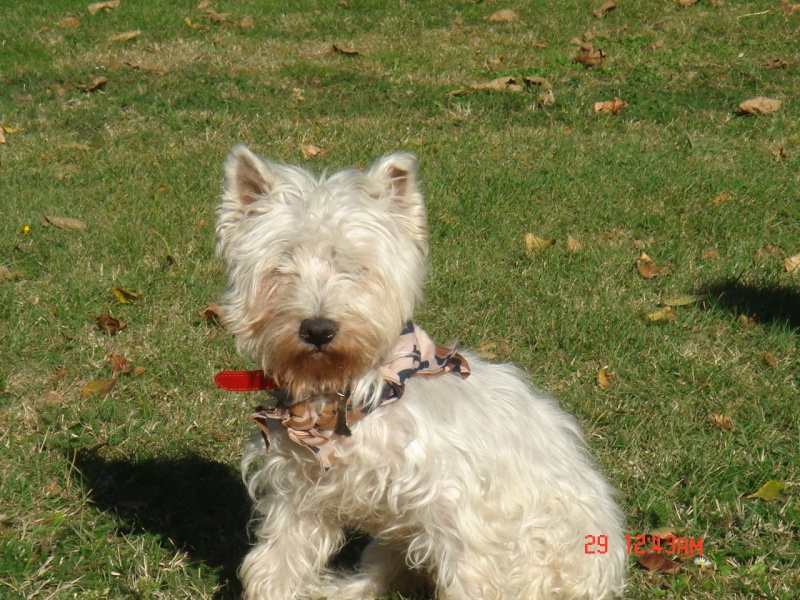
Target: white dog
[(470, 484)]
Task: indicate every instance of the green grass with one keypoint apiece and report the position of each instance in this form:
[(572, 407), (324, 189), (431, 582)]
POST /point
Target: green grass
[(136, 495)]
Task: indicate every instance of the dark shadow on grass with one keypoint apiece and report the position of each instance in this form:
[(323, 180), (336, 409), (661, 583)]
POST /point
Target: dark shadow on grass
[(767, 303), (190, 503)]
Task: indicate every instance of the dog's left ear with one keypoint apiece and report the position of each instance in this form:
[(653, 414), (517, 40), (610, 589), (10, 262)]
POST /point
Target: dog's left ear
[(397, 173)]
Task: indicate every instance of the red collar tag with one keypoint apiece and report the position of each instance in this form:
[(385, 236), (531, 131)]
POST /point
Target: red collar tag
[(244, 381)]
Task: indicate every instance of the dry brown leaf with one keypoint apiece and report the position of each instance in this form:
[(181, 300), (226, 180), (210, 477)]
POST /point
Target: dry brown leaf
[(125, 36), (721, 421), (647, 268), (710, 254), (610, 107), (573, 245), (501, 84), (589, 56), (665, 315), (212, 313), (247, 22), (351, 52), (310, 150), (216, 17), (770, 359), (653, 561), (759, 106), (98, 389), (119, 364), (7, 274), (792, 265), (69, 23), (109, 324), (767, 251), (779, 154), (148, 67), (605, 378), (2, 136), (789, 8), (776, 63), (535, 245), (505, 15), (104, 6), (63, 223), (96, 84), (607, 7), (138, 371), (721, 199), (204, 4), (656, 44)]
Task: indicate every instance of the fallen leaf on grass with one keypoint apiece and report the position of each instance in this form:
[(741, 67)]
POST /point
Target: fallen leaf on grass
[(589, 56), (535, 245), (247, 23), (63, 223), (605, 378), (139, 371), (351, 52), (125, 36), (610, 107), (216, 17), (310, 150), (104, 6), (109, 324), (759, 106), (119, 365), (123, 296), (789, 8), (769, 491), (721, 421), (96, 84), (8, 275), (665, 315), (792, 265), (505, 15), (656, 44), (767, 251), (646, 267), (98, 389), (776, 63), (501, 84), (654, 561), (710, 254), (721, 199), (770, 359), (605, 9), (2, 136), (573, 245), (546, 97), (69, 23), (212, 313)]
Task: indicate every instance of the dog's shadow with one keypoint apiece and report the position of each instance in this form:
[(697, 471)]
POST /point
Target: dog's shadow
[(191, 503), (766, 303)]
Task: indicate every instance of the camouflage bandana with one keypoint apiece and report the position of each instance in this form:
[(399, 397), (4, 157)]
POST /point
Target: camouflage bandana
[(313, 424)]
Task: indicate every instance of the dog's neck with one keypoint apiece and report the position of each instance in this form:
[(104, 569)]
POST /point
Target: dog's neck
[(314, 422)]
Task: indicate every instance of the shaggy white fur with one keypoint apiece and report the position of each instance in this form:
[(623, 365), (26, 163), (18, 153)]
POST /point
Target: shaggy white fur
[(477, 488)]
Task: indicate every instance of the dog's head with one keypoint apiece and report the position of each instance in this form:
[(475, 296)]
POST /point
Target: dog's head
[(322, 272)]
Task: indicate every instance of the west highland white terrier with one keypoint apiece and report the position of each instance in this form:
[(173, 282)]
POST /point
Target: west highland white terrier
[(470, 485)]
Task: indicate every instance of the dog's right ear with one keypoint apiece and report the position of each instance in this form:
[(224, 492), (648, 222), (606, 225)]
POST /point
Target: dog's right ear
[(247, 177)]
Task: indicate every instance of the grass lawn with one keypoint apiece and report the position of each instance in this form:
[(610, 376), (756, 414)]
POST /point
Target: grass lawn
[(135, 493)]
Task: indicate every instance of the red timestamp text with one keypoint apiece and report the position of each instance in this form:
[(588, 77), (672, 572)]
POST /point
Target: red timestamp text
[(642, 544)]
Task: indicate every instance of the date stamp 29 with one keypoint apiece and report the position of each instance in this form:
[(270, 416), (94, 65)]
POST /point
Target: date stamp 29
[(642, 544)]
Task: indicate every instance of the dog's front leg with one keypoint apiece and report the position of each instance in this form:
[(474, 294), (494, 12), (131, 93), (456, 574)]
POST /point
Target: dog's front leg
[(291, 554)]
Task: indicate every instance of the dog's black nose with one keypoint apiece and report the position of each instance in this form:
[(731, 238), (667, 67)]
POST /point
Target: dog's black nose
[(318, 332)]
